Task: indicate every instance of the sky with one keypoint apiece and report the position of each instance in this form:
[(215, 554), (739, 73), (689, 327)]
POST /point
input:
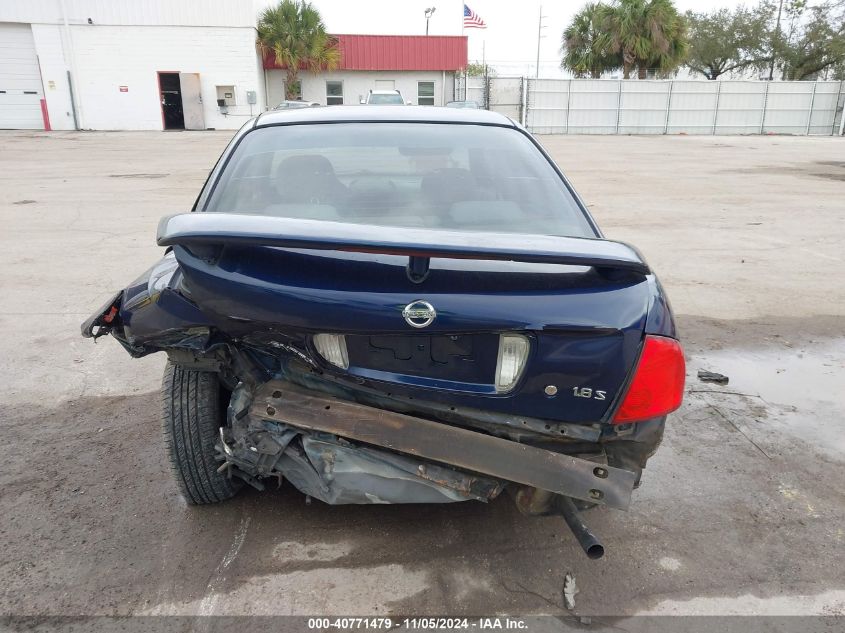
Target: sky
[(509, 42)]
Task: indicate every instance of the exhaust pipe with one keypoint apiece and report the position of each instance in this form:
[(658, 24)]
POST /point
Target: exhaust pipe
[(588, 541)]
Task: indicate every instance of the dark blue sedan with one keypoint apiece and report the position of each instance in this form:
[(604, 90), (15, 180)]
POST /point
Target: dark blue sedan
[(407, 305)]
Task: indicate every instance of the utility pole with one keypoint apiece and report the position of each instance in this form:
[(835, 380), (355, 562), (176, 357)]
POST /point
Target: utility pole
[(428, 13), (540, 28), (777, 34)]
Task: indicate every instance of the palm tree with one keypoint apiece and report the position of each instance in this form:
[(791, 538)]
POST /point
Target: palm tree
[(645, 33), (295, 34), (584, 50)]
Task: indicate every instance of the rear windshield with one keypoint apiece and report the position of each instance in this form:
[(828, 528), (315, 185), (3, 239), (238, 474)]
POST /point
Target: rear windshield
[(385, 99), (442, 176)]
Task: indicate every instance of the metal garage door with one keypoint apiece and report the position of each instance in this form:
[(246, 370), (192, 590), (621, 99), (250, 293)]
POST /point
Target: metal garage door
[(20, 80)]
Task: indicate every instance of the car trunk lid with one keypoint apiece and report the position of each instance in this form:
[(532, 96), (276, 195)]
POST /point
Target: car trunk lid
[(275, 282)]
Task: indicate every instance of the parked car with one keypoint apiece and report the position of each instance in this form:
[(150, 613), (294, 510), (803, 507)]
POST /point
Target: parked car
[(288, 105), (402, 306), (384, 97), (472, 105)]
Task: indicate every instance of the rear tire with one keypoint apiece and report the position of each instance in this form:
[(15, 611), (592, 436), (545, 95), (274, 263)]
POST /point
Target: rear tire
[(192, 414)]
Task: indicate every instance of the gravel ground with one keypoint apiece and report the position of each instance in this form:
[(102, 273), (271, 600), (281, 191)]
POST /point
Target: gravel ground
[(741, 511)]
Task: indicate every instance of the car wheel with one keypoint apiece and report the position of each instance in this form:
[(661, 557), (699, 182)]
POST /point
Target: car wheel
[(192, 414)]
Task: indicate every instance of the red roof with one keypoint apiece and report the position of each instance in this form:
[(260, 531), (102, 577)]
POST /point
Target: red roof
[(397, 52)]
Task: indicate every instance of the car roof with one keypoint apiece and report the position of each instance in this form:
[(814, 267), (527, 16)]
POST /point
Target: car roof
[(384, 92), (377, 113)]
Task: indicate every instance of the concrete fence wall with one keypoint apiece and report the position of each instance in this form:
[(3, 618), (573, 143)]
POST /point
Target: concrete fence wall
[(602, 106)]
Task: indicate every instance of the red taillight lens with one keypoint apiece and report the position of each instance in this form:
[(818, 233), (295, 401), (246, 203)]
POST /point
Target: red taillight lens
[(658, 384)]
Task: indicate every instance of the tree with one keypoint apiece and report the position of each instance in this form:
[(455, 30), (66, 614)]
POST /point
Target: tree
[(814, 42), (646, 34), (723, 41), (584, 50), (478, 69), (295, 34)]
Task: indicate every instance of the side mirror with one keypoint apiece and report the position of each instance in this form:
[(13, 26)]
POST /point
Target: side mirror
[(362, 101), (408, 103)]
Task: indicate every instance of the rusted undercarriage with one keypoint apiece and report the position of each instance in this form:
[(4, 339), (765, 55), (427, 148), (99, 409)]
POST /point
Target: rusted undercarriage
[(340, 451), (467, 450)]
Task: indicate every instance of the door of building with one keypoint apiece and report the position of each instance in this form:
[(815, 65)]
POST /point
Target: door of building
[(170, 93), (192, 101), (20, 79)]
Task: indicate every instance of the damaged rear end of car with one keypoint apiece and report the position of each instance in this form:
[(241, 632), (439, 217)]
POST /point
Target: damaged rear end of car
[(397, 331)]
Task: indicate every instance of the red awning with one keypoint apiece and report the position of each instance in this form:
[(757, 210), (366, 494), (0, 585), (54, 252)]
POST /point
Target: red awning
[(397, 52)]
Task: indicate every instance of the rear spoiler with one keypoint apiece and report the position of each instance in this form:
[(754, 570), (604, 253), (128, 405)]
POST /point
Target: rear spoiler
[(419, 244)]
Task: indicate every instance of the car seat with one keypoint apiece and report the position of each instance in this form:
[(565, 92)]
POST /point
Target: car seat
[(308, 178)]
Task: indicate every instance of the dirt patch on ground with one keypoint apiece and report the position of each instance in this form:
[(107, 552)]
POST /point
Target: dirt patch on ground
[(832, 170), (701, 334)]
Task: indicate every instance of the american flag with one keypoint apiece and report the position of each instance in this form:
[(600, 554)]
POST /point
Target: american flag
[(471, 19)]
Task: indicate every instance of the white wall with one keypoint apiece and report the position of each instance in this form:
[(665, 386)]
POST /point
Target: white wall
[(107, 57), (51, 58), (132, 12), (357, 83)]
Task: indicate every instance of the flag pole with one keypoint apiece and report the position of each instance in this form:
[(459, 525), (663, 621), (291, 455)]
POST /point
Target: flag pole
[(466, 70)]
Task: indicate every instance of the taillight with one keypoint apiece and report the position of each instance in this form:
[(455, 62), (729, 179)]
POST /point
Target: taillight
[(658, 384), (513, 351)]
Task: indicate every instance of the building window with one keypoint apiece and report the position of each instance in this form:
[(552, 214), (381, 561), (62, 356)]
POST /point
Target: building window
[(425, 92), (334, 93)]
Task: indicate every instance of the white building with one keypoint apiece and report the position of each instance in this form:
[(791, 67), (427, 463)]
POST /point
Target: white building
[(421, 67), (110, 65), (168, 64)]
